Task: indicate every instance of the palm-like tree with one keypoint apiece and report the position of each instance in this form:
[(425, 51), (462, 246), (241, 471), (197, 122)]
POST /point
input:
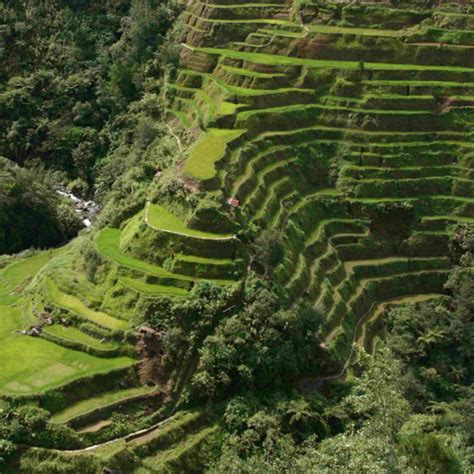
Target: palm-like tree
[(431, 337), (458, 373)]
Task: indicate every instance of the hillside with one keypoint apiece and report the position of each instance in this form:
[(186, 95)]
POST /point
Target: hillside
[(306, 191)]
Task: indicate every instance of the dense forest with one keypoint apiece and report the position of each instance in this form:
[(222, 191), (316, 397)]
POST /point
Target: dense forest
[(80, 85), (173, 335)]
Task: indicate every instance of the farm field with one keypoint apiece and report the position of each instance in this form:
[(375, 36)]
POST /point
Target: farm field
[(94, 403), (33, 365)]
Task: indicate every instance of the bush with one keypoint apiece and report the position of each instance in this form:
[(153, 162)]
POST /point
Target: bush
[(32, 214), (392, 221)]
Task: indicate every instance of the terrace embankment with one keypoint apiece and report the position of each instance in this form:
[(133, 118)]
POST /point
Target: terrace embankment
[(341, 113)]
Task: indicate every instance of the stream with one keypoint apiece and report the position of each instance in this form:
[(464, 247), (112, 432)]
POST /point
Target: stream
[(87, 209)]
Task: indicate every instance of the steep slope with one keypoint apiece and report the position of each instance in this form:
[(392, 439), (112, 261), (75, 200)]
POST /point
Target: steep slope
[(341, 120), (344, 129)]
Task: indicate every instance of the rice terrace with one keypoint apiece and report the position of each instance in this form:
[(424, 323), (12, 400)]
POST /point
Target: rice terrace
[(236, 236)]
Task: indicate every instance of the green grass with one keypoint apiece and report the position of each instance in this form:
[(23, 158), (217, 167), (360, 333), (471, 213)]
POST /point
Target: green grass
[(454, 218), (245, 91), (248, 73), (380, 308), (152, 290), (102, 401), (32, 365), (207, 150), (204, 260), (168, 460), (354, 31), (229, 108), (108, 245), (76, 306), (280, 60), (18, 274), (162, 219), (74, 335)]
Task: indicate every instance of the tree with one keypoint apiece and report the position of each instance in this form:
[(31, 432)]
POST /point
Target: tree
[(392, 221), (32, 214)]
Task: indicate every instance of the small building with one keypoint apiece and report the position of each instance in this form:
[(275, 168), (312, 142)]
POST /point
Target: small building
[(232, 202)]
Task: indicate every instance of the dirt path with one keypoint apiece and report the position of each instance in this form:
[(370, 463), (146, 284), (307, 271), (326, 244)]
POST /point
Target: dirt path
[(311, 384)]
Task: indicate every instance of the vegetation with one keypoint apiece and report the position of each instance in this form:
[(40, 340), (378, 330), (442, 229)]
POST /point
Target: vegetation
[(31, 213), (207, 150), (43, 364), (279, 276)]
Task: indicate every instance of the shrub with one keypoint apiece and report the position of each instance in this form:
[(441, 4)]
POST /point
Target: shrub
[(392, 221)]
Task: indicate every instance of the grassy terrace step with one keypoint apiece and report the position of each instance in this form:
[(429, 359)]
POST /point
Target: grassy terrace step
[(454, 199), (204, 267), (254, 166), (149, 441), (369, 267), (161, 219), (243, 117), (108, 245), (372, 317), (362, 141), (207, 150), (151, 289), (342, 30), (403, 187), (76, 306), (287, 200), (71, 335), (34, 365), (315, 248), (279, 60), (15, 276), (417, 83), (170, 432), (102, 401), (400, 102), (336, 296), (315, 265), (250, 73), (238, 21), (270, 207), (266, 179), (435, 222), (425, 159), (383, 172), (194, 109), (343, 306), (247, 91), (182, 117), (320, 269), (183, 457)]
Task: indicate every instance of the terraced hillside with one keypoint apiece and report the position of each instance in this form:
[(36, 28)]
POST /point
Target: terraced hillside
[(334, 121), (346, 130)]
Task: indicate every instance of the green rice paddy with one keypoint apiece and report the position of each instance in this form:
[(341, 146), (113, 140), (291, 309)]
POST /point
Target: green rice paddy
[(101, 401), (162, 219), (208, 149), (74, 335), (76, 306), (32, 365)]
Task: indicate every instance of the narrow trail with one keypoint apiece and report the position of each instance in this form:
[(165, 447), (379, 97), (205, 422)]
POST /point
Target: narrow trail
[(129, 437), (313, 384), (178, 140)]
